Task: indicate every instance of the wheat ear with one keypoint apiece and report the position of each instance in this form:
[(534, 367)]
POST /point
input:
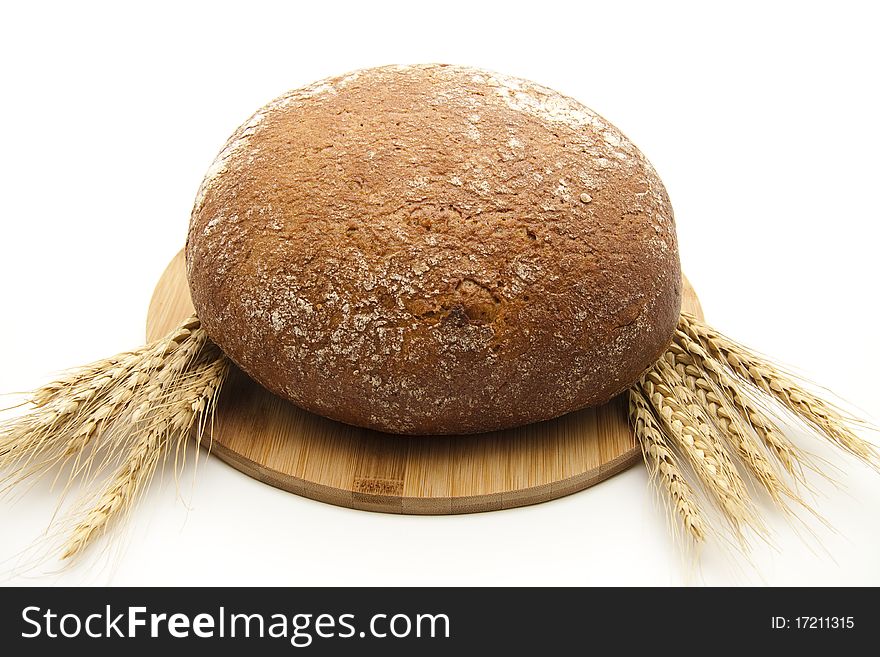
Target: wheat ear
[(662, 466), (779, 445), (67, 412), (120, 415), (663, 389), (707, 391), (160, 429), (729, 424), (769, 379)]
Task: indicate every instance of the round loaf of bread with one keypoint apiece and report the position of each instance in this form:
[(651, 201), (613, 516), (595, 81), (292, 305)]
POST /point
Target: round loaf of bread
[(434, 249)]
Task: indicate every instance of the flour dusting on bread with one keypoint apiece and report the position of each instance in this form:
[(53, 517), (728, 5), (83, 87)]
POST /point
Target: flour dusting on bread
[(434, 249)]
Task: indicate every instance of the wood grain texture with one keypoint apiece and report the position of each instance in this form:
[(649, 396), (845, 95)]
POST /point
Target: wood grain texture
[(280, 444)]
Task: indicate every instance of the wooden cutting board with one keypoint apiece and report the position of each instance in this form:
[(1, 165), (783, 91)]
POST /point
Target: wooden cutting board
[(280, 444)]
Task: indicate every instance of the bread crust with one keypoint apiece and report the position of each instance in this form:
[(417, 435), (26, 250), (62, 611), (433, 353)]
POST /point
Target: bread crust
[(434, 249)]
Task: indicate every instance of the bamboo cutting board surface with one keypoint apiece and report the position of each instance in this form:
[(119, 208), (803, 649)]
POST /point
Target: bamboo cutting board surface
[(280, 444)]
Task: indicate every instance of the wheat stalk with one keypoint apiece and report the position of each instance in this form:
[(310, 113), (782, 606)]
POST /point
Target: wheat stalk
[(662, 465)]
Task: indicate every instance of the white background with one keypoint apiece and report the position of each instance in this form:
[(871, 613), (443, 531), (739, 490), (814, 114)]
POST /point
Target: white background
[(761, 119)]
